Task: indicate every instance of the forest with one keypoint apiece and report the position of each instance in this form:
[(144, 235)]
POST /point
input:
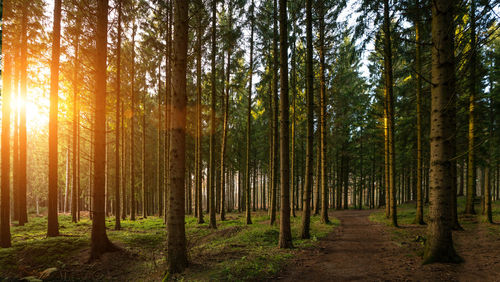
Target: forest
[(250, 140)]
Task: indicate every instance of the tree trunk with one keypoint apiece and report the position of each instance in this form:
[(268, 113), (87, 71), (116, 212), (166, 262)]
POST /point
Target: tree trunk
[(76, 126), (322, 115), (52, 224), (249, 114), (471, 168), (211, 168), (5, 236), (198, 165), (22, 210), (99, 242), (390, 111), (132, 131), (118, 174), (439, 244), (306, 210), (275, 110), (285, 239), (177, 254), (418, 61)]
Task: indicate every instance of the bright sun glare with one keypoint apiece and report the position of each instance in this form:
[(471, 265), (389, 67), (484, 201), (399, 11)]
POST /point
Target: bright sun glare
[(37, 109)]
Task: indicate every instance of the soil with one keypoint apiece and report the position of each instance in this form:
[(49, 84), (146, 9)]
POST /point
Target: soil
[(361, 250)]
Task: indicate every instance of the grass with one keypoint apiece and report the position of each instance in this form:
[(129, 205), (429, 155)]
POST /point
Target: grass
[(412, 233), (234, 251)]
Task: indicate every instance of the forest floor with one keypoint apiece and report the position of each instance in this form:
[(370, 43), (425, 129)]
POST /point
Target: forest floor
[(234, 251), (366, 248)]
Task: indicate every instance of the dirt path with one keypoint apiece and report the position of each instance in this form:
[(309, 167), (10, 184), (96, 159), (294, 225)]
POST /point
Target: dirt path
[(361, 250)]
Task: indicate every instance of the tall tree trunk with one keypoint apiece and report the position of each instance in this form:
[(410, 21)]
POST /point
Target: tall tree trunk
[(52, 224), (99, 242), (285, 239), (22, 211), (5, 236), (439, 244), (198, 165), (211, 169), (118, 171), (471, 168), (76, 115), (132, 131), (159, 192), (249, 114), (177, 254), (143, 159), (418, 61), (322, 115), (390, 111), (306, 210), (293, 84), (274, 136), (168, 106)]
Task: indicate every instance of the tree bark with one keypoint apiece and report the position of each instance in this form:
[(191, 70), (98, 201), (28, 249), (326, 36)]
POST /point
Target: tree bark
[(306, 210), (249, 114), (52, 224), (176, 250), (211, 169), (439, 244), (99, 242)]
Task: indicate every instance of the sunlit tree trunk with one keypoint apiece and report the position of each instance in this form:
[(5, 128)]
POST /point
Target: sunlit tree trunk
[(439, 244), (132, 131), (143, 159), (76, 114), (5, 236), (22, 211), (118, 171), (471, 168), (390, 112), (306, 209), (52, 224), (177, 254)]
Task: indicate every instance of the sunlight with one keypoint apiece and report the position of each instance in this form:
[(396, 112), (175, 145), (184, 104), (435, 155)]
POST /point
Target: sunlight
[(37, 109)]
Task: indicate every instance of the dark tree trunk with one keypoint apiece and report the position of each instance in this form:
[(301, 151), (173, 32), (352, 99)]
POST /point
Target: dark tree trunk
[(52, 224), (99, 242)]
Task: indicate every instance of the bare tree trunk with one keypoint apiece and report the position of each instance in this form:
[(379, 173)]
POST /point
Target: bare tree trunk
[(99, 242), (5, 236), (306, 209), (285, 239), (52, 224), (211, 172), (439, 244), (249, 115), (177, 254), (274, 136), (118, 174)]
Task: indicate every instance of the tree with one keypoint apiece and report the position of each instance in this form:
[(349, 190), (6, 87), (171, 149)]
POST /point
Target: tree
[(471, 165), (418, 62), (322, 115), (117, 117), (211, 168), (22, 166), (52, 224), (176, 248), (132, 131), (99, 242), (249, 116), (274, 136), (306, 211), (198, 160), (439, 244), (5, 236), (285, 239), (389, 98)]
